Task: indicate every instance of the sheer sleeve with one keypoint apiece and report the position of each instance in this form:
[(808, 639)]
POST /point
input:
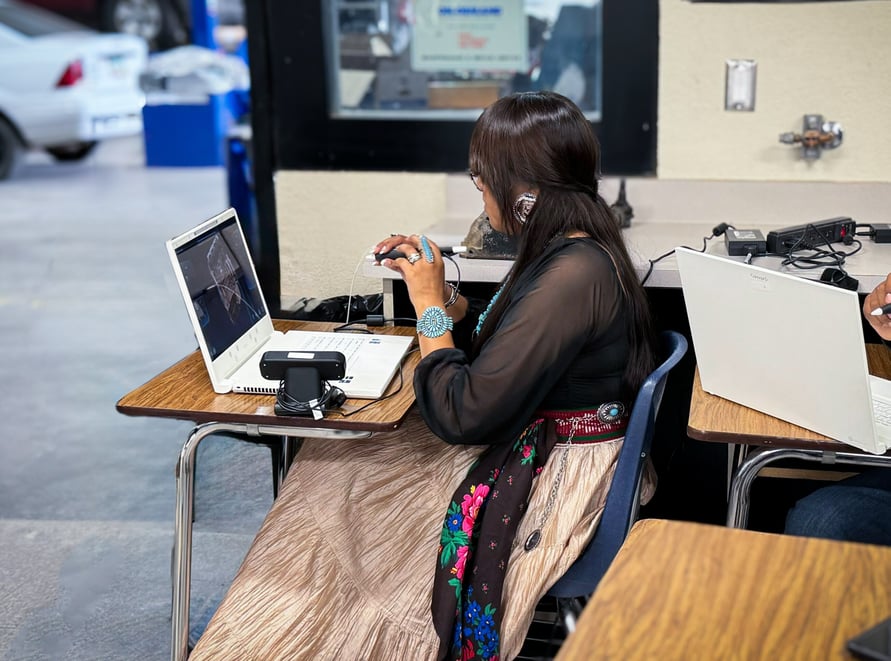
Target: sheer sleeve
[(463, 331), (570, 298)]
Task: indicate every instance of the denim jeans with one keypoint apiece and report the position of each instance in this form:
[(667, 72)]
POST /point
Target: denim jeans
[(855, 510)]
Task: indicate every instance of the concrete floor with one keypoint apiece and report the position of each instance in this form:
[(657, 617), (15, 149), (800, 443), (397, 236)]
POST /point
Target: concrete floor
[(89, 310)]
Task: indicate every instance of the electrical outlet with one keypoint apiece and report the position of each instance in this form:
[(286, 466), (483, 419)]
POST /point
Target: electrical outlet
[(739, 89)]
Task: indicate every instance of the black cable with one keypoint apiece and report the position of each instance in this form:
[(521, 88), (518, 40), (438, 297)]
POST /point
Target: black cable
[(818, 257), (347, 414), (457, 269), (290, 405), (380, 321), (348, 328), (718, 230), (653, 263), (870, 233)]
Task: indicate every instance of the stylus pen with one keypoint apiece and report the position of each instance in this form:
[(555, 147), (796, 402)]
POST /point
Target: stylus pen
[(395, 254), (885, 309)]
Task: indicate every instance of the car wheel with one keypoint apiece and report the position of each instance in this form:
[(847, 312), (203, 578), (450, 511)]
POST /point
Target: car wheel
[(11, 150), (153, 20), (73, 152)]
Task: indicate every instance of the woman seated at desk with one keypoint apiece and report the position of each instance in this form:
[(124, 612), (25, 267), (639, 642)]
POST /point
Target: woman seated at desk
[(437, 540), (857, 509)]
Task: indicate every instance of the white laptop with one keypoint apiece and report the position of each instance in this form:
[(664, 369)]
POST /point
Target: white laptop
[(786, 346), (233, 327)]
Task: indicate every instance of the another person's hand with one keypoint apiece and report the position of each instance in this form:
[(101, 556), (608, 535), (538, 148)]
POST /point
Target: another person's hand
[(880, 296), (424, 279)]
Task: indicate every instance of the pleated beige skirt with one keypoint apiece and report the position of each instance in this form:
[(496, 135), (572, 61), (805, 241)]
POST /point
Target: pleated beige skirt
[(342, 567)]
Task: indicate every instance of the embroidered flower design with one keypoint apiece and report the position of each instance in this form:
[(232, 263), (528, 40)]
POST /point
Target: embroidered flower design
[(454, 522), (480, 633), (460, 563), (452, 536), (471, 505), (473, 612)]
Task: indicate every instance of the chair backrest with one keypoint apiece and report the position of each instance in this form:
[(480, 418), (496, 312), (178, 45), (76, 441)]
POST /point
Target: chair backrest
[(623, 499)]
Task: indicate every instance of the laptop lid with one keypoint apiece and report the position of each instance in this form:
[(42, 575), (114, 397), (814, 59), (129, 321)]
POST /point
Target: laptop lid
[(781, 344), (222, 293)]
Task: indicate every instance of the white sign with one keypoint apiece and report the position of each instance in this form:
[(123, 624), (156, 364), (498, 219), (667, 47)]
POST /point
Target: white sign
[(470, 35)]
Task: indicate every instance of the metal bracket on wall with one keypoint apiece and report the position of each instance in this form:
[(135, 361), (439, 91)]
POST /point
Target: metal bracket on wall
[(816, 135)]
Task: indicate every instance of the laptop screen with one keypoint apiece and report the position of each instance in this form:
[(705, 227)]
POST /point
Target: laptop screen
[(218, 275)]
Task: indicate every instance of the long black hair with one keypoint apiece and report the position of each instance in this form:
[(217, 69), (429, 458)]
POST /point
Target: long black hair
[(542, 140)]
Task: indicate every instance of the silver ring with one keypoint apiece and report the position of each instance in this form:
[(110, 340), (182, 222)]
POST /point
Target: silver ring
[(414, 257)]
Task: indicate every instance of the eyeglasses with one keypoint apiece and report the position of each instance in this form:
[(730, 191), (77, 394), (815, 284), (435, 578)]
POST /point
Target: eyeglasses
[(475, 178)]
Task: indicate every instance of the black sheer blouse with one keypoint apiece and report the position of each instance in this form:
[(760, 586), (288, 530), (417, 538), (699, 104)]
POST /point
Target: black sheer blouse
[(561, 344)]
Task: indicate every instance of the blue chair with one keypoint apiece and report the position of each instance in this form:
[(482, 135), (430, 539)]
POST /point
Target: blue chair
[(623, 499)]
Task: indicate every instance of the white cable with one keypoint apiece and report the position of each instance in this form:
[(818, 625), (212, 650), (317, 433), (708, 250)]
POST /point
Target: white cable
[(352, 284)]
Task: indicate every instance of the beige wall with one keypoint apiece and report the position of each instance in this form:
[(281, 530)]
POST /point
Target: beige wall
[(830, 58), (327, 221)]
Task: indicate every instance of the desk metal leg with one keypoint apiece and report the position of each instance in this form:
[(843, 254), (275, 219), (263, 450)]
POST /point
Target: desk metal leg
[(739, 501), (185, 496), (182, 539), (732, 463), (289, 447)]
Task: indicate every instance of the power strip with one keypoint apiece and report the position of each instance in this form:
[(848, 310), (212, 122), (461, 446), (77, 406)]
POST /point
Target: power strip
[(811, 235)]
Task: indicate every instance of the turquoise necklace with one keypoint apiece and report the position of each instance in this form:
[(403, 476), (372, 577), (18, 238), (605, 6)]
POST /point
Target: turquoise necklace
[(485, 313)]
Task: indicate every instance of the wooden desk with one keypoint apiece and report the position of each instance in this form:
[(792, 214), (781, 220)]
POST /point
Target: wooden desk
[(184, 392), (719, 420), (680, 590)]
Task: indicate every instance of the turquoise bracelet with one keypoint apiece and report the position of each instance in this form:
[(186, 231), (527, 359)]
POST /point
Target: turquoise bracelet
[(434, 322)]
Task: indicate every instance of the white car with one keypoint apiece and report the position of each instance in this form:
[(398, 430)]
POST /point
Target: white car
[(63, 87)]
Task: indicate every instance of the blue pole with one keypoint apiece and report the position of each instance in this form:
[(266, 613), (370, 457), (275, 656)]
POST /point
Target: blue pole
[(204, 21)]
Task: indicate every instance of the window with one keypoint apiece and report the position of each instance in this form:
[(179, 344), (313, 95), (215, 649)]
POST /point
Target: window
[(373, 85), (449, 59)]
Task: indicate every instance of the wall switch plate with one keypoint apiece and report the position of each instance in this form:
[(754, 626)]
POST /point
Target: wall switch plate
[(739, 91)]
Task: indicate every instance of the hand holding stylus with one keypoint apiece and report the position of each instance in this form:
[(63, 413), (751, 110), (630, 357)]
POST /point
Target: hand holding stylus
[(877, 308)]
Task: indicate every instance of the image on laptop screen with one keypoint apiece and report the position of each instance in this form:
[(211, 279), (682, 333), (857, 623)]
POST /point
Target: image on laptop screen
[(221, 285)]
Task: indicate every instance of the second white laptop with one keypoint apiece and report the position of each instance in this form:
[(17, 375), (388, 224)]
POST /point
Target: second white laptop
[(233, 326), (784, 345)]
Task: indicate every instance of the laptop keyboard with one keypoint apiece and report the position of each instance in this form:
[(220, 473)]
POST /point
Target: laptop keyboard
[(882, 412), (345, 343)]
